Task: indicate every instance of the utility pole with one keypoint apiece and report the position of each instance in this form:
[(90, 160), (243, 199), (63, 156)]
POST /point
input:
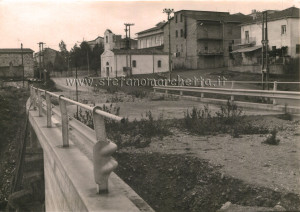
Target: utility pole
[(41, 49), (128, 42), (265, 50), (169, 12), (22, 62)]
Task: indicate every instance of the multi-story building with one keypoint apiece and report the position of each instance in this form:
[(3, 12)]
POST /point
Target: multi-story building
[(202, 39), (11, 62), (153, 37), (283, 39)]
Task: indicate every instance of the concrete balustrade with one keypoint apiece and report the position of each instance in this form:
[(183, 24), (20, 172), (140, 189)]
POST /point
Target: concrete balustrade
[(79, 177), (104, 164)]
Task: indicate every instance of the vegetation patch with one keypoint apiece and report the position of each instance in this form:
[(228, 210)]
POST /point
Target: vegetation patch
[(271, 139), (229, 119), (136, 133), (12, 120)]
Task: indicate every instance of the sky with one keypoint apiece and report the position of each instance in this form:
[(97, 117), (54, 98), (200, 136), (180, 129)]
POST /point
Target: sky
[(51, 21)]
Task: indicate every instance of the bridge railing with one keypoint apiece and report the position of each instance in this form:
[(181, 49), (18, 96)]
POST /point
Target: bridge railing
[(103, 163), (273, 94)]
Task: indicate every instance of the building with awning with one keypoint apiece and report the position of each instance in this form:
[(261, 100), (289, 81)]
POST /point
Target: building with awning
[(247, 49)]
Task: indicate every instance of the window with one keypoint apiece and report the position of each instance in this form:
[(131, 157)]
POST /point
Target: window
[(106, 39), (176, 18), (176, 48), (283, 29), (181, 47), (176, 34), (107, 63), (159, 64), (297, 48), (181, 33), (134, 63), (180, 17), (247, 36), (206, 46)]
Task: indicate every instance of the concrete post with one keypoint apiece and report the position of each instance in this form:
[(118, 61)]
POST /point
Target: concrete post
[(232, 84), (202, 95), (39, 102), (49, 109), (64, 121), (104, 164), (166, 91), (34, 98), (232, 97), (274, 89), (181, 93)]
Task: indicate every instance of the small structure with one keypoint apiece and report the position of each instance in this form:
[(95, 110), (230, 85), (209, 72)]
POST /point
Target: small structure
[(11, 62), (116, 61)]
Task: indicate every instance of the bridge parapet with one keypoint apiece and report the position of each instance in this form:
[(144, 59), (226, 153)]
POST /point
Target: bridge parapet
[(78, 163)]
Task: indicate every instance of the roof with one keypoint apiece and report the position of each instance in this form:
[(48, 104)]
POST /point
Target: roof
[(95, 39), (138, 52), (157, 27), (292, 12), (16, 50), (248, 49), (218, 16)]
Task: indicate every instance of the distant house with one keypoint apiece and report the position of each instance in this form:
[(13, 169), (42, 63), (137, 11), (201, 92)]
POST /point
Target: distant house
[(92, 43), (202, 39), (48, 57), (153, 37), (283, 36), (116, 61), (11, 62)]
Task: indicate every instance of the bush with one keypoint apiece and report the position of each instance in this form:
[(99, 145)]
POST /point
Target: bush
[(272, 138), (136, 133), (229, 119)]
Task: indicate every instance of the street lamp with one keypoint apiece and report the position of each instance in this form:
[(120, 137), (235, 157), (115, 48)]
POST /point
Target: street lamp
[(169, 12)]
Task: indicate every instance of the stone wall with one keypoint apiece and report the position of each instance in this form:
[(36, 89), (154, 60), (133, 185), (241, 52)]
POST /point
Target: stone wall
[(10, 65)]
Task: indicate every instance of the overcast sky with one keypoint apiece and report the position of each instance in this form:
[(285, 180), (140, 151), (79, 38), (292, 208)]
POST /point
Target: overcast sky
[(50, 21)]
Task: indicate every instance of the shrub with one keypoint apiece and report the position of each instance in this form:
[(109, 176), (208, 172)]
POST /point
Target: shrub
[(229, 119), (272, 140)]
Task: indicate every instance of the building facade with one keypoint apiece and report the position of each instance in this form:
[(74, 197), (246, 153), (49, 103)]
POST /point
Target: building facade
[(283, 41), (118, 62), (153, 37), (202, 39), (11, 62), (92, 43)]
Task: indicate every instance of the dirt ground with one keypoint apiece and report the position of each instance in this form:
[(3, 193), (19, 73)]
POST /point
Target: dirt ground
[(186, 172)]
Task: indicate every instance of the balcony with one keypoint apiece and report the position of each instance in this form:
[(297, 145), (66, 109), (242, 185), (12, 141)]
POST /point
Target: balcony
[(214, 35), (211, 52), (245, 41)]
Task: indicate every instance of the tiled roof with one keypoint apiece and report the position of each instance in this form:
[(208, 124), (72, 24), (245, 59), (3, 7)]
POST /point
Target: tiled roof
[(25, 50), (292, 12), (158, 26), (139, 52), (218, 16)]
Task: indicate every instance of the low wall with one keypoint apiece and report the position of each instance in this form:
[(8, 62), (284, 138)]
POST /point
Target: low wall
[(274, 68)]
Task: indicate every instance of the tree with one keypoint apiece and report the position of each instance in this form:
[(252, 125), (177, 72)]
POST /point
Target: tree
[(95, 60), (64, 55)]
